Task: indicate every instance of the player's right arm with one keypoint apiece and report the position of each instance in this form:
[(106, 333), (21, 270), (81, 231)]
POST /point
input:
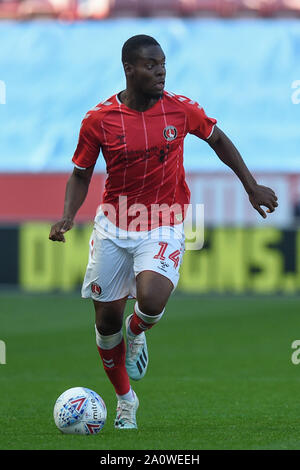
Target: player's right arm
[(85, 156), (76, 191)]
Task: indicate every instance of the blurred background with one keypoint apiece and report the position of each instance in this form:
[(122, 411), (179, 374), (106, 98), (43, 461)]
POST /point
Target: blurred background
[(240, 59)]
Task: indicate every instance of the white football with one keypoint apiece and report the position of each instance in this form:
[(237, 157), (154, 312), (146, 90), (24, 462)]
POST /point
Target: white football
[(79, 410)]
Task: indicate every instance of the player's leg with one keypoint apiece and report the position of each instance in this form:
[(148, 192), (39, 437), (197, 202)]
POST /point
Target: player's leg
[(153, 291), (110, 342), (108, 282), (112, 350)]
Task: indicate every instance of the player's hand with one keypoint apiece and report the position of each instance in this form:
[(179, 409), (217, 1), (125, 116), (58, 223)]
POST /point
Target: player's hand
[(263, 196), (57, 230)]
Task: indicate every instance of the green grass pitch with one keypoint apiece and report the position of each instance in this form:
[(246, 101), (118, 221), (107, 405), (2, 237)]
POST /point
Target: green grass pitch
[(220, 374)]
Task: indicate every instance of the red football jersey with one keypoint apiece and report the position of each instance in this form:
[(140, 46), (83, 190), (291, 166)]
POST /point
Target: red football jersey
[(144, 156)]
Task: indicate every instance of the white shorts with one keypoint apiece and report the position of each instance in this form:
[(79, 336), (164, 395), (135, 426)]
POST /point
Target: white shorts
[(115, 261)]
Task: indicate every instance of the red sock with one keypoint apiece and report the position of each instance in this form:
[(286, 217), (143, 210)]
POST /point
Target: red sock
[(114, 366), (137, 325)]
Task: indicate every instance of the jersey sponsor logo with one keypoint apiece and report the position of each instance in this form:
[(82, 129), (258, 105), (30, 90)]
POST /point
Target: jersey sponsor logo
[(95, 288), (170, 133), (121, 139)]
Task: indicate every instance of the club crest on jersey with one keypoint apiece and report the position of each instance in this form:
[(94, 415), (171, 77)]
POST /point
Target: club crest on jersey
[(170, 133), (95, 288)]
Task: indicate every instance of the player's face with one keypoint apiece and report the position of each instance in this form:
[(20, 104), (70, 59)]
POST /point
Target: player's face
[(149, 72)]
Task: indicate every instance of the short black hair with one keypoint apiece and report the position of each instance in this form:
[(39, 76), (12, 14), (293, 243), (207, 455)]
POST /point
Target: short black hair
[(133, 44)]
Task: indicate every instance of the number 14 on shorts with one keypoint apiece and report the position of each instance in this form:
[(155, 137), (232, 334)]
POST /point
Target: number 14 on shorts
[(173, 256)]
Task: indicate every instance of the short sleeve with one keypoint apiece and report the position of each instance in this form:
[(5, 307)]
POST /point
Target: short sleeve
[(198, 123), (89, 144)]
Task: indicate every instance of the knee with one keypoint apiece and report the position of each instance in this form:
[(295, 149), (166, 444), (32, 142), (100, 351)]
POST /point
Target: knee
[(153, 292), (150, 305), (108, 326), (108, 320)]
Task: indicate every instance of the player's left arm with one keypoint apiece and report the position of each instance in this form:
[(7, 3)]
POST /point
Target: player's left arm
[(227, 152)]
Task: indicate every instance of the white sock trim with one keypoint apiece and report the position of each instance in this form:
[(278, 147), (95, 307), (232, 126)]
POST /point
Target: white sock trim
[(128, 396), (108, 341), (151, 319)]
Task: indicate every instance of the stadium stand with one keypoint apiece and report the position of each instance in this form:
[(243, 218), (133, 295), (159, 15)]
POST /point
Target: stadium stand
[(56, 9), (101, 9), (253, 90)]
